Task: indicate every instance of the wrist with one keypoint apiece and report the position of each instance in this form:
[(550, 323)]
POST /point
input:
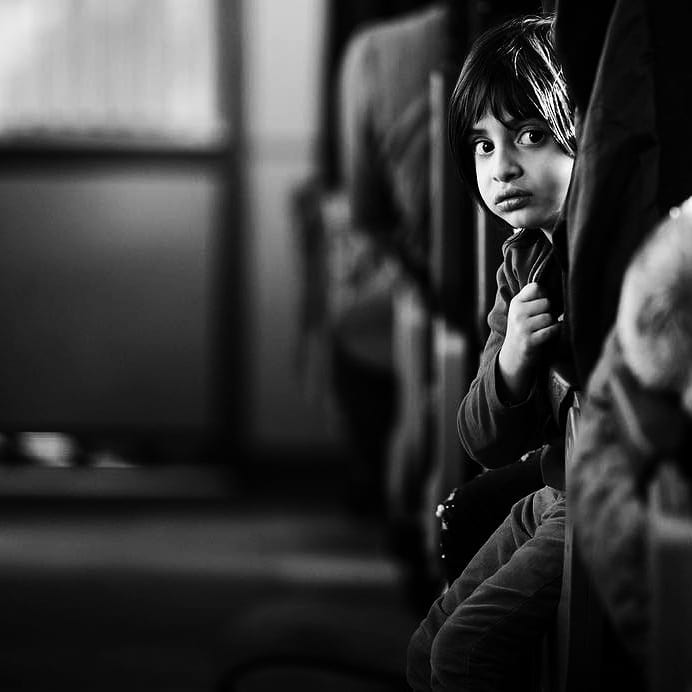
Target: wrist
[(514, 379)]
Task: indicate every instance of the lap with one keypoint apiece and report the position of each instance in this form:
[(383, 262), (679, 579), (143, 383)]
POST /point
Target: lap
[(478, 507), (502, 580), (504, 597)]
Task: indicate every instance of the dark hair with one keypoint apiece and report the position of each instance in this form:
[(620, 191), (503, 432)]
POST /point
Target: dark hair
[(511, 70)]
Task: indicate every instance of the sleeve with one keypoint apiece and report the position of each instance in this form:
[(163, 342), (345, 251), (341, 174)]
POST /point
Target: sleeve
[(622, 432), (493, 432)]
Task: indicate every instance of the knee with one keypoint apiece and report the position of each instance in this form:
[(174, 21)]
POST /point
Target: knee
[(466, 656), (418, 659), (450, 652)]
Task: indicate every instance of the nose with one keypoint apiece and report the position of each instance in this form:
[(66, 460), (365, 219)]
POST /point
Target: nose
[(507, 166)]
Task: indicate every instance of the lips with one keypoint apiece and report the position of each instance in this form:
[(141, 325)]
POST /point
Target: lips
[(509, 200)]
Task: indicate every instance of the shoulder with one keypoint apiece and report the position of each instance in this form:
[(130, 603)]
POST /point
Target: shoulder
[(360, 71), (417, 27), (386, 43), (359, 53)]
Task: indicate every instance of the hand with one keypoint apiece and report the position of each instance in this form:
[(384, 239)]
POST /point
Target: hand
[(529, 326)]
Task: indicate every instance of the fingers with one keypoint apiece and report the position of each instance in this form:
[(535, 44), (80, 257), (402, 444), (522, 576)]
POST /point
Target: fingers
[(536, 307), (529, 321), (540, 321), (530, 292), (531, 301), (542, 335)]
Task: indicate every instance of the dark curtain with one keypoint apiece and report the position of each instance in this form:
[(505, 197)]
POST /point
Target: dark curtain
[(633, 161)]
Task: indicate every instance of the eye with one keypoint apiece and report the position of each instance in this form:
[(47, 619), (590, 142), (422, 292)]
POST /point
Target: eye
[(531, 136), (482, 147)]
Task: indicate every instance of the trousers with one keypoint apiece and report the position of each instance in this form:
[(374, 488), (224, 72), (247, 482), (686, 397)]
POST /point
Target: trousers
[(480, 633), (478, 506)]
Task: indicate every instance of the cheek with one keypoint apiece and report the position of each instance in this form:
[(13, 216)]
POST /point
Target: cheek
[(563, 176), (556, 181), (566, 174), (484, 187)]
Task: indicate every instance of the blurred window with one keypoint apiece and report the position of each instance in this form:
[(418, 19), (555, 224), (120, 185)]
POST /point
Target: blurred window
[(122, 71)]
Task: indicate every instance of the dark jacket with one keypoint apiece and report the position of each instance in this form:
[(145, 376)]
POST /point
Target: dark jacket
[(493, 432)]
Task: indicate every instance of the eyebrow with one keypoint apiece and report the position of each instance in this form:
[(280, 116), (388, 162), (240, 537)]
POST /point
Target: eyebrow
[(511, 124), (515, 123)]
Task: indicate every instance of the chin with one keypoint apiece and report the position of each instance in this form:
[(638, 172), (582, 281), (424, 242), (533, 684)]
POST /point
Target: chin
[(523, 218), (520, 219)]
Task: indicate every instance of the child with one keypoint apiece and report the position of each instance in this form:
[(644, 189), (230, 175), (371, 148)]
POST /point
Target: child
[(637, 414), (512, 134)]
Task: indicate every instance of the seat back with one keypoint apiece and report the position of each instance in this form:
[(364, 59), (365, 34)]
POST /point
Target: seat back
[(452, 260), (453, 358), (573, 649), (407, 457), (670, 572)]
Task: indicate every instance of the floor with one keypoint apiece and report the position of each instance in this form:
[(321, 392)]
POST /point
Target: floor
[(161, 593)]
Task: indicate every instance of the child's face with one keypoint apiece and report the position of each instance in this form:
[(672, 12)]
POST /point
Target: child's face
[(522, 173)]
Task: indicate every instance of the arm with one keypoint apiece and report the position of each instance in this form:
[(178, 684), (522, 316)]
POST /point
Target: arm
[(500, 418)]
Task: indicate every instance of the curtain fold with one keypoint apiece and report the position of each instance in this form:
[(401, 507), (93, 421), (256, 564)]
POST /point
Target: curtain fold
[(633, 160)]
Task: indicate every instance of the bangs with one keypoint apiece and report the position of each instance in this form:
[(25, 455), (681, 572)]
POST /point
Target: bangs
[(499, 93)]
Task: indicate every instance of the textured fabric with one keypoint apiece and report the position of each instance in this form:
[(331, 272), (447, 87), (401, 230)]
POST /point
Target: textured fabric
[(624, 432), (493, 433), (480, 633)]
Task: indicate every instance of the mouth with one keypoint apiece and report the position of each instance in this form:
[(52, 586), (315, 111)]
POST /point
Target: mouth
[(512, 200)]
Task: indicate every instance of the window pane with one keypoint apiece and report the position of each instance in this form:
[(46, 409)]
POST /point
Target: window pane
[(110, 69)]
